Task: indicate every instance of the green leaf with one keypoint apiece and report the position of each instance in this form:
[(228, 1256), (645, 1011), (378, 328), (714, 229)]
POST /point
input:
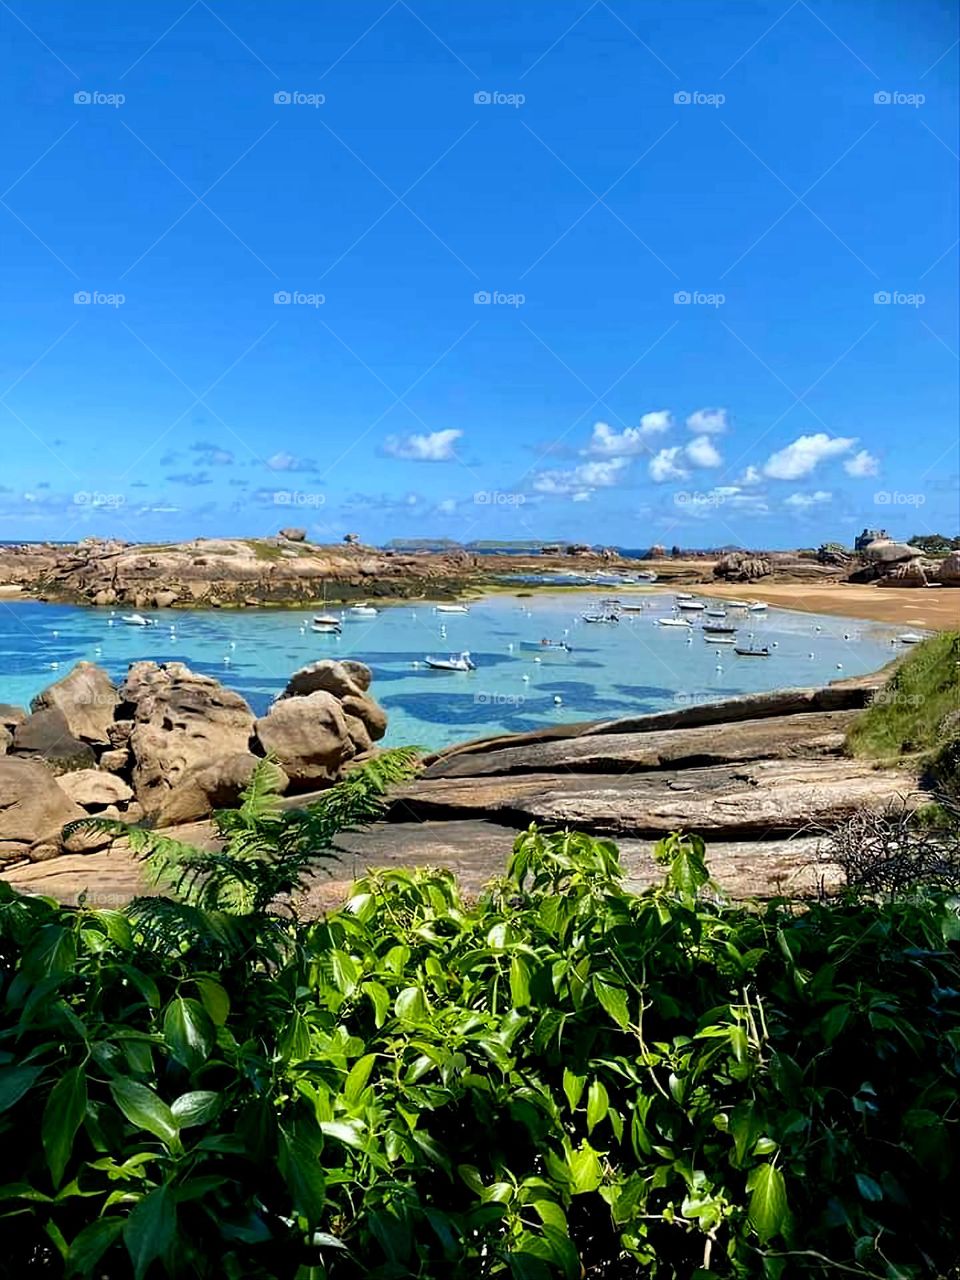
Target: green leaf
[(144, 1109), (410, 1005), (379, 997), (585, 1171), (598, 1104), (188, 1032), (91, 1244), (301, 1171), (357, 1077), (61, 1119), (195, 1108), (346, 972), (150, 1230), (14, 1083), (768, 1213), (573, 1087), (519, 982), (614, 1001), (215, 1000), (868, 1188)]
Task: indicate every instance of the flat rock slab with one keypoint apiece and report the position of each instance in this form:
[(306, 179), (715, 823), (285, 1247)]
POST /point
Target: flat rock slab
[(815, 733), (475, 850), (729, 801)]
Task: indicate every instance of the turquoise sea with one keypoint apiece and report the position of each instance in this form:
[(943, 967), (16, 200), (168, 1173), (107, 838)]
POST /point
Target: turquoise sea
[(613, 670)]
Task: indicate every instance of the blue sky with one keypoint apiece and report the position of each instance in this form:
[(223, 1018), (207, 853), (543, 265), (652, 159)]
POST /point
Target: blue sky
[(611, 271)]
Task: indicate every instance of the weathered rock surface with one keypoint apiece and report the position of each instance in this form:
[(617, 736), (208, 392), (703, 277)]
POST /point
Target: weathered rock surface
[(209, 787), (34, 809), (6, 739), (93, 789), (342, 679), (950, 570), (87, 697), (46, 735), (181, 722), (309, 736), (11, 716)]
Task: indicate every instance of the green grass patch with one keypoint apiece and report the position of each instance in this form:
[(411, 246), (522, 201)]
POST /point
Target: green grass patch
[(917, 712)]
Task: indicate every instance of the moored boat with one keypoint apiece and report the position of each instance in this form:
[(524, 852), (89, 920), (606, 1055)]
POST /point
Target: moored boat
[(463, 662), (364, 611), (540, 645), (718, 630), (910, 637), (674, 622), (599, 617), (763, 652), (691, 605), (135, 620), (452, 608)]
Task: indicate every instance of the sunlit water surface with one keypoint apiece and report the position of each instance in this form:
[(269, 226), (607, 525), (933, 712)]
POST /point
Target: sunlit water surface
[(618, 670)]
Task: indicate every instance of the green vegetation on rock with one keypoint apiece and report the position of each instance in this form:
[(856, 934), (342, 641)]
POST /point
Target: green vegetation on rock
[(561, 1080), (917, 712)]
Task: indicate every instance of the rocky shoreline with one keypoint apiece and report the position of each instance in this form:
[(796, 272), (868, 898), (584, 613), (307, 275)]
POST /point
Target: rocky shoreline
[(760, 777)]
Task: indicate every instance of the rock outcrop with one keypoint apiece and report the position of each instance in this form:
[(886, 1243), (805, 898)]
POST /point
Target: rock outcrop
[(46, 735), (33, 813), (950, 570), (88, 699), (741, 567)]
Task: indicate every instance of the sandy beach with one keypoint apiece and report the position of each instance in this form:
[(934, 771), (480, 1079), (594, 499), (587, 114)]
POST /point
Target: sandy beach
[(936, 608)]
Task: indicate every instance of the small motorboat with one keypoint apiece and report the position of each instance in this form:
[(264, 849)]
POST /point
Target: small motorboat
[(540, 645), (461, 662), (633, 608), (683, 595), (718, 630), (691, 605), (716, 613), (738, 604), (757, 606), (599, 617), (910, 637), (135, 620), (611, 602), (719, 639), (452, 608), (762, 652), (646, 575), (674, 622), (327, 626), (364, 611), (326, 620)]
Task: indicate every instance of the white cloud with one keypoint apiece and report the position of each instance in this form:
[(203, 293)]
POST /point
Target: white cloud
[(801, 501), (605, 442), (582, 496), (803, 455), (708, 421), (703, 453), (437, 446), (666, 465), (653, 423), (589, 475), (751, 476), (862, 464)]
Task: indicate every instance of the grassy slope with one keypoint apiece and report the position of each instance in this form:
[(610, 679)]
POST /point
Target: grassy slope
[(916, 713)]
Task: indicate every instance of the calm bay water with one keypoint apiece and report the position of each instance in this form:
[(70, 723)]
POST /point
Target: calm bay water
[(620, 670)]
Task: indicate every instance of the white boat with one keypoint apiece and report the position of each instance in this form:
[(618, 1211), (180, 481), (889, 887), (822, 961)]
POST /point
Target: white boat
[(364, 611), (453, 663), (633, 608), (738, 604), (757, 606), (691, 604), (326, 620), (135, 620), (716, 613), (646, 575), (720, 639), (599, 617), (452, 608), (683, 595), (910, 637), (327, 628), (674, 622), (540, 645)]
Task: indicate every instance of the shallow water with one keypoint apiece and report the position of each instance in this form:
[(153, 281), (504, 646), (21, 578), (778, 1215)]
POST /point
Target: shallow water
[(626, 669)]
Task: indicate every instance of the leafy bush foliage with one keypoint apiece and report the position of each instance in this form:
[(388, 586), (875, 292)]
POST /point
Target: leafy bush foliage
[(563, 1079)]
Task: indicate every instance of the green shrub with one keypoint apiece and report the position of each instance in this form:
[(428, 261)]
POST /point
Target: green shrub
[(561, 1080)]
